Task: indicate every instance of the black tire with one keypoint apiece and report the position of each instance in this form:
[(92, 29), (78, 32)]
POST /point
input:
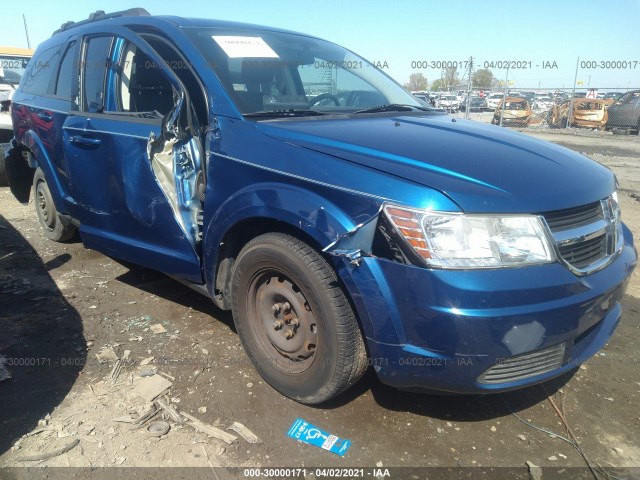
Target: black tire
[(3, 171), (325, 353), (55, 227)]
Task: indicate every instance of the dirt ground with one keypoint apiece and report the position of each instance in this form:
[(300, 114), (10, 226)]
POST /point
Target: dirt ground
[(61, 305)]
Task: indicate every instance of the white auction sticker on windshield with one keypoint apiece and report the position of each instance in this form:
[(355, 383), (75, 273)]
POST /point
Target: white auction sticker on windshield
[(239, 47)]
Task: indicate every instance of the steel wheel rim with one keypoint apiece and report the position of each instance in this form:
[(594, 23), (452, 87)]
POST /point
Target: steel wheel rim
[(284, 326), (45, 210)]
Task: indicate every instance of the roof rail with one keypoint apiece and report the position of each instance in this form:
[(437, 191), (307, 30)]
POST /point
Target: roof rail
[(100, 15)]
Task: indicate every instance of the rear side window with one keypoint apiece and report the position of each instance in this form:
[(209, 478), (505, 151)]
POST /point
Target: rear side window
[(68, 73), (40, 74), (94, 72)]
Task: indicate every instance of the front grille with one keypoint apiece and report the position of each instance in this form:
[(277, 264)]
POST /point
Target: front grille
[(574, 217), (583, 254), (524, 366), (586, 236)]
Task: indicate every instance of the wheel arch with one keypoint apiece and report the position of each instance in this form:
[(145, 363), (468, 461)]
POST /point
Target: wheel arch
[(262, 209), (31, 151)]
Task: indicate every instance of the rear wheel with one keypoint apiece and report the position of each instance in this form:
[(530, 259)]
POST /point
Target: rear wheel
[(55, 227), (3, 172), (294, 320)]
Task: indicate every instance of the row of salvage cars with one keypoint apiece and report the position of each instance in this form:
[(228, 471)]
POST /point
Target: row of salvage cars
[(601, 114)]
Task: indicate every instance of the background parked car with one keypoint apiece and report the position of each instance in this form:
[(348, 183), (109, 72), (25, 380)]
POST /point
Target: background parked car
[(585, 112), (13, 61), (517, 112), (476, 104), (625, 112), (494, 99), (449, 102), (542, 102)]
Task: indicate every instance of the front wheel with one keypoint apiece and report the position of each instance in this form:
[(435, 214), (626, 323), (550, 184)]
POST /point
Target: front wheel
[(294, 320)]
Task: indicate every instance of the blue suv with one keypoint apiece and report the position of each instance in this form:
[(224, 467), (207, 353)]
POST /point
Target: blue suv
[(344, 223)]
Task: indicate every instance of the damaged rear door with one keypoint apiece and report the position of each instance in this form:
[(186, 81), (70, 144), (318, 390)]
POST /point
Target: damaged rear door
[(135, 161)]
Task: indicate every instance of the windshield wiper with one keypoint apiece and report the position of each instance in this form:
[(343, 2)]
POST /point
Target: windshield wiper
[(392, 107), (285, 113)]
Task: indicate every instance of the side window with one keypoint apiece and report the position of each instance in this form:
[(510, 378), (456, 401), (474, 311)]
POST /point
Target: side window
[(68, 73), (94, 72), (142, 85), (39, 77), (627, 98), (182, 69)]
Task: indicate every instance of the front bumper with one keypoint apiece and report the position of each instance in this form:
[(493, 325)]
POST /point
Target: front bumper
[(477, 331)]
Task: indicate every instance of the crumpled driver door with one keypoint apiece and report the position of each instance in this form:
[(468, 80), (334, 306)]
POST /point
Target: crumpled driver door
[(138, 172)]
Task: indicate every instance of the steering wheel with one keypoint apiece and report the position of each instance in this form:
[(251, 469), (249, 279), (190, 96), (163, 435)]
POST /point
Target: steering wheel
[(325, 96)]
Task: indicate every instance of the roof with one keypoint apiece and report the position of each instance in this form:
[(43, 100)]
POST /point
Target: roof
[(142, 16)]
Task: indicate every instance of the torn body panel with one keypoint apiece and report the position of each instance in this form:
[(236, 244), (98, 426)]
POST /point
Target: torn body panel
[(177, 166), (374, 238), (356, 243)]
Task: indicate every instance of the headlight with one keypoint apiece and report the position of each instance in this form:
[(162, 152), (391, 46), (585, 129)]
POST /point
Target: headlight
[(455, 240)]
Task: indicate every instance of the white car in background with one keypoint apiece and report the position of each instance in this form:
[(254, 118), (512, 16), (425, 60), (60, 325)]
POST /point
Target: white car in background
[(493, 100), (449, 102), (543, 102)]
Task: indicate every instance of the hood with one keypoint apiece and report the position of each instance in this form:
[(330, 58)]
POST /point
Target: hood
[(483, 168)]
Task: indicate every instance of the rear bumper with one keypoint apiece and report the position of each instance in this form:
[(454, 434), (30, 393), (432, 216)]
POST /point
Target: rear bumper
[(589, 123), (485, 330)]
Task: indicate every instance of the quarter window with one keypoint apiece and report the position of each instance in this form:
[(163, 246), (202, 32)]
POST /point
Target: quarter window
[(68, 73), (39, 78)]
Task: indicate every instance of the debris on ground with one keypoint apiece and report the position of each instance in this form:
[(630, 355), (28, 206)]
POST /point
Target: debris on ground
[(64, 448), (169, 410), (157, 328), (147, 371), (158, 428), (148, 412), (146, 361), (244, 432), (150, 388), (535, 472), (4, 373), (106, 355), (307, 433), (209, 429), (116, 371)]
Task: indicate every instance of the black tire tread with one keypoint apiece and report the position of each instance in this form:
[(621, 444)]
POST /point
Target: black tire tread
[(352, 362)]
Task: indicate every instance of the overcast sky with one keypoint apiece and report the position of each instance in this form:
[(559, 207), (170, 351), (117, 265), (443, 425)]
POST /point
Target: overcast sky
[(404, 35)]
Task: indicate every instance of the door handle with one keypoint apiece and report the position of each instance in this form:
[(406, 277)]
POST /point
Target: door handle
[(86, 141), (45, 117)]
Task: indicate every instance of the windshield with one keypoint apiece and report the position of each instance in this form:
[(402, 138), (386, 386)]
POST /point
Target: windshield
[(12, 68), (266, 71)]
